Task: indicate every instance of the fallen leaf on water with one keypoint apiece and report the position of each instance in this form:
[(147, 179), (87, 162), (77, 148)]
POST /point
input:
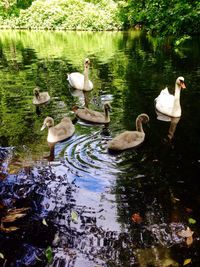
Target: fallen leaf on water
[(13, 215), (191, 221), (74, 216), (8, 229), (44, 222), (1, 255), (187, 261), (189, 210), (49, 255), (189, 240), (186, 233), (136, 218), (15, 211)]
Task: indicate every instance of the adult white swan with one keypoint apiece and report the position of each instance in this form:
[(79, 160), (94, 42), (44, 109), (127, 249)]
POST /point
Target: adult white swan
[(81, 81), (170, 104)]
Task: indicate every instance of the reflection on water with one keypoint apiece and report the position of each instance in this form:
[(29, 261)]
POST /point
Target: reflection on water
[(173, 124), (81, 197)]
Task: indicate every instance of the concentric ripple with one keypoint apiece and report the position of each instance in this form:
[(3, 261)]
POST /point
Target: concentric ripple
[(89, 162)]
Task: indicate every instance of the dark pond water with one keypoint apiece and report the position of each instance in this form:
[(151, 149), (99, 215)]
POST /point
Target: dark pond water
[(86, 206)]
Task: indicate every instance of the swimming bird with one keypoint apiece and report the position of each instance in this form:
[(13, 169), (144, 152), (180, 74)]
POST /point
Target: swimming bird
[(59, 132), (93, 116), (81, 81), (130, 139), (170, 104), (40, 97)]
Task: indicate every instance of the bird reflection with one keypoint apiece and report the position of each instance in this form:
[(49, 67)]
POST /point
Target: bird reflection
[(105, 131), (38, 110), (82, 95), (172, 127), (51, 155)]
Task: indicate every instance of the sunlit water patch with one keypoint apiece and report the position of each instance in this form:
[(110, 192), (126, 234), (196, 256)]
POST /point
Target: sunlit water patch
[(89, 162)]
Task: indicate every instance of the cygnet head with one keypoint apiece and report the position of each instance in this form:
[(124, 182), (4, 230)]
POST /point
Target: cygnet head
[(75, 108), (36, 91), (48, 122), (180, 82), (143, 118), (107, 106)]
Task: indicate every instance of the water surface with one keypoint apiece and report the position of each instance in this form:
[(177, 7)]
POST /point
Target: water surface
[(82, 199)]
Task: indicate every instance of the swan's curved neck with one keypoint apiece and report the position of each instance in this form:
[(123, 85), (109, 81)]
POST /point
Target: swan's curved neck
[(37, 95), (86, 79), (177, 92), (106, 114), (139, 125), (177, 106)]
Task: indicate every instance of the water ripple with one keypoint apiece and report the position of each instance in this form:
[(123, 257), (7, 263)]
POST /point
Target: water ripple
[(89, 162)]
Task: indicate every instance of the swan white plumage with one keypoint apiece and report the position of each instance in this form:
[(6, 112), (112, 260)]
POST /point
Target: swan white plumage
[(59, 132), (130, 139), (81, 81), (170, 104), (40, 97)]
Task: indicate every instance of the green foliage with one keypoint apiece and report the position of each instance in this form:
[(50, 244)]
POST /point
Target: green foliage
[(49, 254), (164, 17), (71, 15)]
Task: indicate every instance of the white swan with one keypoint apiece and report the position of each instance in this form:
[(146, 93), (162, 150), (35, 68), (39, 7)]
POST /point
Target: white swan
[(40, 97), (81, 81), (129, 139), (59, 132), (170, 104)]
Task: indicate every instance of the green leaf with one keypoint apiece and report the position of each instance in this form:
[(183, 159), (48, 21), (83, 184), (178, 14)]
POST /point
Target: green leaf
[(187, 261), (44, 222), (191, 221), (74, 216), (1, 256), (49, 254)]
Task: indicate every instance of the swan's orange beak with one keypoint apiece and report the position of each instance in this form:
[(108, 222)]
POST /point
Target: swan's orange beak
[(183, 85)]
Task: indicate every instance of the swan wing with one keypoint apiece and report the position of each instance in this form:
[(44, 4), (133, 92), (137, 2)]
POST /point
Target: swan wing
[(61, 131), (43, 98), (76, 80), (165, 102), (91, 115), (127, 139)]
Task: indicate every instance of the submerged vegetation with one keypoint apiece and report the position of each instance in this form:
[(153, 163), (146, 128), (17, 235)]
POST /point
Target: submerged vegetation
[(165, 17)]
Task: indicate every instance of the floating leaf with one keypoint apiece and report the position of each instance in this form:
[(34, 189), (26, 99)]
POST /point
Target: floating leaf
[(189, 210), (191, 221), (1, 255), (189, 240), (15, 211), (186, 233), (13, 215), (136, 218), (44, 222), (74, 216), (49, 255), (187, 261), (8, 229)]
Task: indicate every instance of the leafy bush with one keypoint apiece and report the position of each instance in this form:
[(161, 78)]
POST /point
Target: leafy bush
[(70, 14), (164, 17)]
